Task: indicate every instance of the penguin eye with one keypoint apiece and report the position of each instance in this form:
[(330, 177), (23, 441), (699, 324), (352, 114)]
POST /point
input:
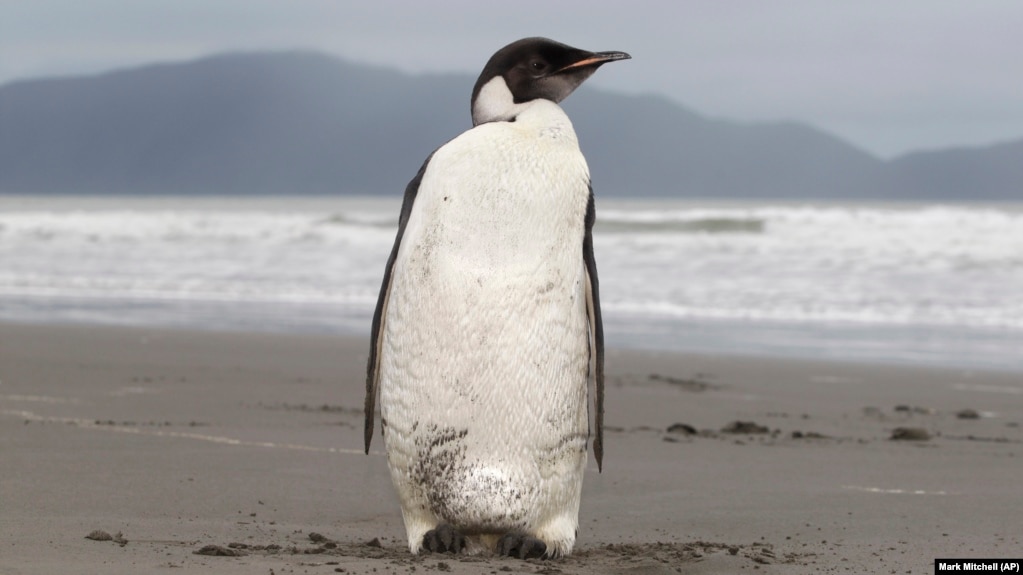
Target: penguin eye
[(538, 66)]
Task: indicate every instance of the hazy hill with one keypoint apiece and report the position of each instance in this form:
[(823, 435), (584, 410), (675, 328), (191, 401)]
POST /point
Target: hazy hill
[(308, 123), (994, 172)]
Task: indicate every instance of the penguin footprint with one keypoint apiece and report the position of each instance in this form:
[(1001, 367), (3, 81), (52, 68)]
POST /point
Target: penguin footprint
[(443, 539), (521, 545)]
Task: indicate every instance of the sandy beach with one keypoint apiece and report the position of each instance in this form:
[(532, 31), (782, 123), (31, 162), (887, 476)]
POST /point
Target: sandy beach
[(206, 452)]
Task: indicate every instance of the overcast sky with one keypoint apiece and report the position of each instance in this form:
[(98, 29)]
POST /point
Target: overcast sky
[(888, 76)]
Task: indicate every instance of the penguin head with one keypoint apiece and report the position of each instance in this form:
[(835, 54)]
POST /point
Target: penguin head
[(531, 69)]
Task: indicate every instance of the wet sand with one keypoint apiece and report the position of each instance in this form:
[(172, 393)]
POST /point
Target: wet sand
[(241, 453)]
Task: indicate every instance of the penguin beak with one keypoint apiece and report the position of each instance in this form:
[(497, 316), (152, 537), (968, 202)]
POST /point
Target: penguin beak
[(595, 59)]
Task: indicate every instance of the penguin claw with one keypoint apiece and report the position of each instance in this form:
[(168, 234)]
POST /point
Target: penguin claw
[(522, 546), (443, 539)]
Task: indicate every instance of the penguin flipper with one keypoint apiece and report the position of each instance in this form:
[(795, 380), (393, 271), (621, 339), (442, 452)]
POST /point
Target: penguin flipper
[(377, 331), (596, 331)]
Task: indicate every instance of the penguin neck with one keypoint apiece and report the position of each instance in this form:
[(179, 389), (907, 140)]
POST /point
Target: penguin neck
[(495, 103)]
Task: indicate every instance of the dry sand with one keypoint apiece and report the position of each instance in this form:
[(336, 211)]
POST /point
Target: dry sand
[(176, 442)]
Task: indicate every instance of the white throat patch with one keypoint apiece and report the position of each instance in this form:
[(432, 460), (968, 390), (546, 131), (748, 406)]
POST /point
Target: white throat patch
[(494, 103)]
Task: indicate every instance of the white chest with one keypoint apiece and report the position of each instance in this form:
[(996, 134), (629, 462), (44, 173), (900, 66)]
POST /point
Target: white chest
[(504, 197)]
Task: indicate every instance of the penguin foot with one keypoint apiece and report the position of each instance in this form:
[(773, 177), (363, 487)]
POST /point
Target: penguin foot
[(443, 539), (521, 545)]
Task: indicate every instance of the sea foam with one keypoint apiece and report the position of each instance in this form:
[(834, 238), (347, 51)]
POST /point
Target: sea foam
[(662, 263)]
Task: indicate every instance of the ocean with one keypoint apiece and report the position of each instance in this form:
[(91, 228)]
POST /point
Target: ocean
[(902, 282)]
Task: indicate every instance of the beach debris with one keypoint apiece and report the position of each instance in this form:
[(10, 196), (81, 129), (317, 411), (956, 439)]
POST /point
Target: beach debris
[(698, 382), (968, 414), (99, 535), (272, 548), (323, 541), (910, 434), (219, 551), (808, 435), (972, 437), (375, 542), (322, 408), (744, 427), (683, 428), (915, 409)]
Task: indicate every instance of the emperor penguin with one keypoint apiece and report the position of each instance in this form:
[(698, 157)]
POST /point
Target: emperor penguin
[(487, 331)]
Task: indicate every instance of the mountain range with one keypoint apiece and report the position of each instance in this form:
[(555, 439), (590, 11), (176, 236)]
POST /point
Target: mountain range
[(307, 123)]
